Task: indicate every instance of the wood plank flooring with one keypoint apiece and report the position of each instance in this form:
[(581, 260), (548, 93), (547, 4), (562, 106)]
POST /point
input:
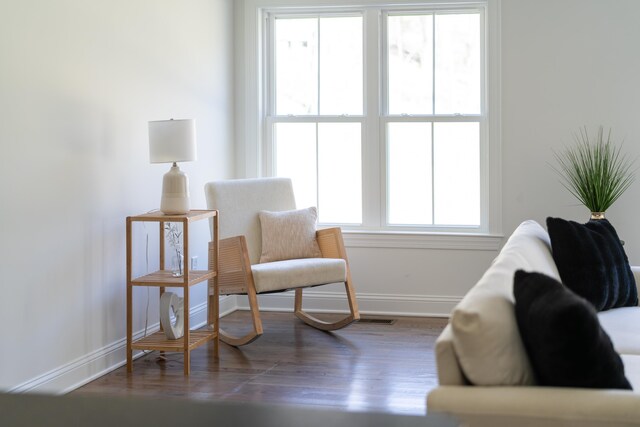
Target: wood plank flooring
[(364, 367)]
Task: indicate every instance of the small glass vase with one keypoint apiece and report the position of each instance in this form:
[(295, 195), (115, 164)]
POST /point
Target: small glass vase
[(597, 215), (177, 265)]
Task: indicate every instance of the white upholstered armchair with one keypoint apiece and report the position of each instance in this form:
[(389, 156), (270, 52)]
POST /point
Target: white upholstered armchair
[(241, 203)]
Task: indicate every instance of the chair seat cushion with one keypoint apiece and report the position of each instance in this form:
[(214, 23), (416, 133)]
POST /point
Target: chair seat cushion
[(298, 273)]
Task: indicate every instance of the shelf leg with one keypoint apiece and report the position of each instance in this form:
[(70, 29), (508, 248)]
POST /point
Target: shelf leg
[(129, 329), (187, 362), (216, 318), (129, 300), (215, 324), (216, 288), (162, 353), (187, 354)]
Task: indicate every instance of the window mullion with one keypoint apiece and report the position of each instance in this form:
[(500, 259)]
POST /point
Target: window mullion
[(433, 65), (269, 104), (318, 112), (433, 111), (433, 175), (318, 167), (318, 69), (373, 169)]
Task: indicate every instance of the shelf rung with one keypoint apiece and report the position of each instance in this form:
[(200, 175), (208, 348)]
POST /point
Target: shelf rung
[(166, 278), (158, 341)]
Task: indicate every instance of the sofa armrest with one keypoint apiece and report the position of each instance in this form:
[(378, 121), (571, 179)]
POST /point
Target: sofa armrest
[(449, 369), (535, 406), (635, 269)]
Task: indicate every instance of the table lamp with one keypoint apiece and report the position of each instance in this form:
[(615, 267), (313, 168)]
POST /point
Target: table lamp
[(172, 141)]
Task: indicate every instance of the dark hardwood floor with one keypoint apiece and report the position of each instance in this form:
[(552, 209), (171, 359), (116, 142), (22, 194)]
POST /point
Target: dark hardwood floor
[(364, 367)]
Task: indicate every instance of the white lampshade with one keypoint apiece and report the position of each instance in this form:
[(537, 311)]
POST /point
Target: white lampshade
[(172, 141)]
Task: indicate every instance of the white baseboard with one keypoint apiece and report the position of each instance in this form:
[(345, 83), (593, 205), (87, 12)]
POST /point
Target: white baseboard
[(368, 303), (91, 366)]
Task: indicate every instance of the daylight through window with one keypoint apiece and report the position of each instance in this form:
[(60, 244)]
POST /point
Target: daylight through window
[(379, 138)]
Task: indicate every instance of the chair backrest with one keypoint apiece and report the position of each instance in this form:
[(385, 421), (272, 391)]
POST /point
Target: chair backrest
[(240, 200)]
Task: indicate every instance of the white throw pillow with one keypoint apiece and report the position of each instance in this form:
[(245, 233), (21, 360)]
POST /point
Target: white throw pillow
[(289, 235), (486, 338)]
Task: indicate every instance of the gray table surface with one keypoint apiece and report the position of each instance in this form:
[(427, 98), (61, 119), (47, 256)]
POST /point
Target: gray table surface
[(34, 410)]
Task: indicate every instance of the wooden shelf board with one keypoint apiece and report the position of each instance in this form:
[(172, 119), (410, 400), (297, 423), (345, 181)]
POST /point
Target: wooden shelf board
[(192, 215), (165, 278), (158, 341)]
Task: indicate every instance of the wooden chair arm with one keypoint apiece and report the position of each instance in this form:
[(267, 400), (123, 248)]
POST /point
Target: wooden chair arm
[(331, 243), (234, 275)]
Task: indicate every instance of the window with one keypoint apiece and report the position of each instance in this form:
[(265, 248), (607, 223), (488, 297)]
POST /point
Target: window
[(317, 97), (380, 115)]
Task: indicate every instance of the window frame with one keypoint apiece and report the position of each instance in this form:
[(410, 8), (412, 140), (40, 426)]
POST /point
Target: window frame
[(480, 118), (259, 160), (269, 76)]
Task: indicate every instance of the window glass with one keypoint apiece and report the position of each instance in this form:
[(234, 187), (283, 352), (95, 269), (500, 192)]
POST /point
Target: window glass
[(340, 173), (295, 150), (456, 148), (457, 64), (341, 65), (318, 66), (296, 66), (410, 57), (409, 174)]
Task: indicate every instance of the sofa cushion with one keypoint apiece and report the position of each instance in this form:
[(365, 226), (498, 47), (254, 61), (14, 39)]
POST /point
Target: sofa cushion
[(289, 235), (592, 262), (562, 335), (623, 327), (632, 369), (484, 331)]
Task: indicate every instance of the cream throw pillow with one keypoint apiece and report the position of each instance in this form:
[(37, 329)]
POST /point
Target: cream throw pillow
[(289, 235)]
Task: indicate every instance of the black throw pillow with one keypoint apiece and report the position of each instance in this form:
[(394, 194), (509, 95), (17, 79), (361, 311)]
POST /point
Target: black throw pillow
[(592, 262), (566, 345)]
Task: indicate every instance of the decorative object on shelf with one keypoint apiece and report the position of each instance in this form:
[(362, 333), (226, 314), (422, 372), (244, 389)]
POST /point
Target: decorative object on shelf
[(595, 171), (172, 305), (172, 141), (174, 237), (177, 265)]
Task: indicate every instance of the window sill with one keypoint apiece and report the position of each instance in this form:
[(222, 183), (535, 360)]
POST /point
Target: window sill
[(420, 240)]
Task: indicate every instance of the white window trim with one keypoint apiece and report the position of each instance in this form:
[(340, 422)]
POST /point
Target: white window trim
[(250, 111)]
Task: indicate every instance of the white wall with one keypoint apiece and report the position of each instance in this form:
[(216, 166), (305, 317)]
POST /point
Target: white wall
[(78, 82), (567, 64), (564, 64)]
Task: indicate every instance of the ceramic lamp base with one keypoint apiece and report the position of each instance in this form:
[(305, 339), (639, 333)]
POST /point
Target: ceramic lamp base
[(175, 192)]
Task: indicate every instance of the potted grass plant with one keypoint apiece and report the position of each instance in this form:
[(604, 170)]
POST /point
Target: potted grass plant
[(595, 171)]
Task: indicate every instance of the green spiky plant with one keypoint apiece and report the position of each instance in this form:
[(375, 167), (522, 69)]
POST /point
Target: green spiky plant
[(595, 171)]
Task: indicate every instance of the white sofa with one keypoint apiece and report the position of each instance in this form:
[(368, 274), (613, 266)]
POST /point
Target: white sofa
[(481, 345)]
